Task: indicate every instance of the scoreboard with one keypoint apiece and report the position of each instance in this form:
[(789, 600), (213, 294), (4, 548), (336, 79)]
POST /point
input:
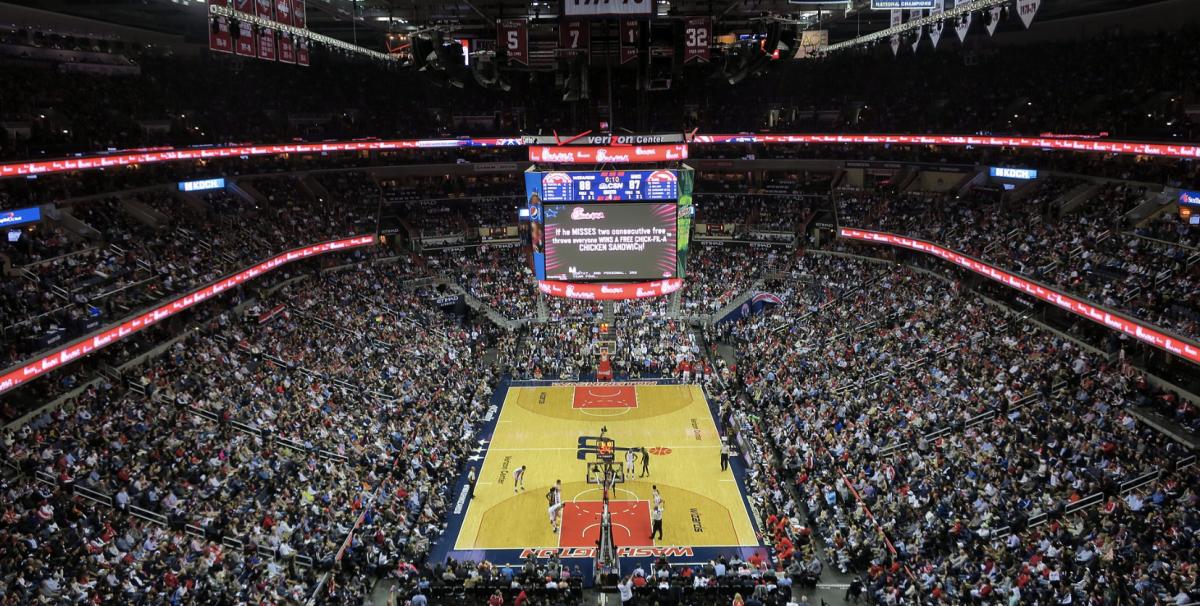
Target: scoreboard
[(619, 185)]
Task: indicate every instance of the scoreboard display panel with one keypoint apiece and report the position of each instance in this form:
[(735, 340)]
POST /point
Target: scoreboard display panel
[(608, 226), (610, 241), (622, 185)]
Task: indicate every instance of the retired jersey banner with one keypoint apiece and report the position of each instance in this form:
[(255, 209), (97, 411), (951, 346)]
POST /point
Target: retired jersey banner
[(302, 52), (244, 45), (219, 2), (697, 38), (299, 17), (287, 49), (266, 44), (963, 23), (897, 19), (1027, 9), (512, 35), (574, 35), (219, 37), (995, 20), (631, 34), (265, 9), (283, 11), (244, 6)]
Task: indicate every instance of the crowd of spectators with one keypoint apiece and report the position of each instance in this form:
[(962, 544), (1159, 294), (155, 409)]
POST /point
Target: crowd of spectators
[(1091, 251), (256, 430), (954, 426), (718, 272), (499, 277)]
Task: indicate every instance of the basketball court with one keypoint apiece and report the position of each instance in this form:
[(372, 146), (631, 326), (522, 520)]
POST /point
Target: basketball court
[(560, 432)]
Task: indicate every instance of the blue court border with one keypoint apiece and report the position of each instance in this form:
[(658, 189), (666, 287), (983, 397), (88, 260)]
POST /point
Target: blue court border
[(444, 547)]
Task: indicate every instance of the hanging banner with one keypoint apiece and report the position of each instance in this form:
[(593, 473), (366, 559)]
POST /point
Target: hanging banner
[(935, 30), (697, 36), (244, 45), (964, 23), (266, 44), (299, 18), (244, 6), (631, 34), (219, 37), (897, 19), (302, 52), (283, 11), (912, 16), (265, 9), (287, 49), (512, 35), (594, 8), (994, 21), (811, 42), (1027, 9), (574, 35), (219, 2)]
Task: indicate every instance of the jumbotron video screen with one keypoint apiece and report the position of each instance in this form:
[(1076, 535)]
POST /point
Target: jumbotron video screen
[(607, 226), (621, 241)]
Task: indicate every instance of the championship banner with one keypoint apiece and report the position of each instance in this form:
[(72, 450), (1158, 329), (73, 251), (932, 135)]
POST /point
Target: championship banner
[(265, 9), (302, 52), (631, 33), (299, 17), (594, 8), (244, 45), (219, 2), (244, 6), (287, 49), (913, 15), (964, 23), (697, 36), (897, 19), (574, 35), (991, 26), (283, 11), (266, 44), (811, 42), (512, 35), (935, 30), (1027, 9), (219, 37)]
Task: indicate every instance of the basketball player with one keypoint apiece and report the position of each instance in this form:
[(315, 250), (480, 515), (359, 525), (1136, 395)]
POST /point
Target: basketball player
[(658, 500), (645, 462), (554, 498), (630, 457), (519, 479)]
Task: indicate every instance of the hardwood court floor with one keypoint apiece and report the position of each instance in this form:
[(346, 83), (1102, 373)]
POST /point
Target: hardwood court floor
[(551, 429)]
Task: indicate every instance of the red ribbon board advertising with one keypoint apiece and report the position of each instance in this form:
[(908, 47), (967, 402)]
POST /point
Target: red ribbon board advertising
[(613, 154), (1138, 330), (82, 347), (609, 292)]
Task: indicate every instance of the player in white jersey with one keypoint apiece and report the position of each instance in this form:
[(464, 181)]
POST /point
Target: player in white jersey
[(630, 457), (519, 478), (554, 498)]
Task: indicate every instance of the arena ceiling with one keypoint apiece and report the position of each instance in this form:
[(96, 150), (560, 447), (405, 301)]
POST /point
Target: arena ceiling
[(376, 18)]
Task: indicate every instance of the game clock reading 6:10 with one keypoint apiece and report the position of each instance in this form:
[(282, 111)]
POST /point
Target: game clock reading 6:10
[(597, 8)]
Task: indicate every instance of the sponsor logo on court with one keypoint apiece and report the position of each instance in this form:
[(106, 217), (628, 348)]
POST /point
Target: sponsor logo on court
[(622, 552), (462, 499), (696, 525)]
